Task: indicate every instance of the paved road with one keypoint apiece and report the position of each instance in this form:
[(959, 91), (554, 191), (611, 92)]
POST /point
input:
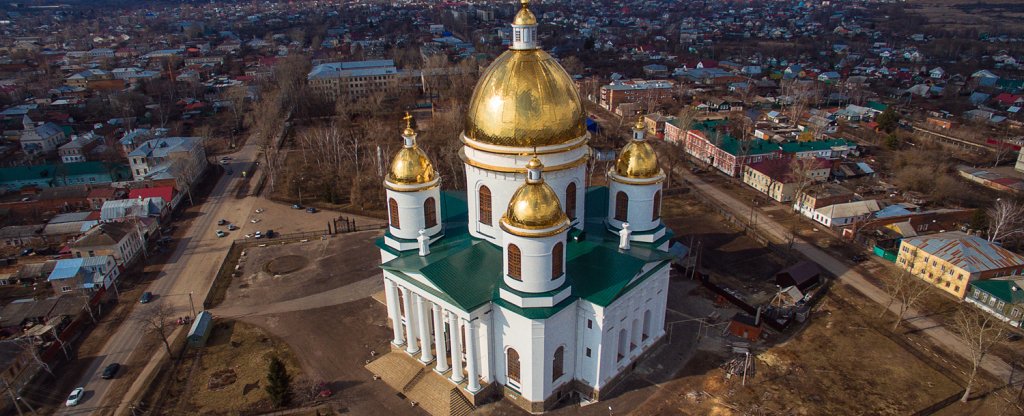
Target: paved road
[(190, 269), (919, 322)]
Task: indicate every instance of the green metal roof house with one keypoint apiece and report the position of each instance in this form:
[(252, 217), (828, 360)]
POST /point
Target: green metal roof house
[(1003, 298), (62, 174)]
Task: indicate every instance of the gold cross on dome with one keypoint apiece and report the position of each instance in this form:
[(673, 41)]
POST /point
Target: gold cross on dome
[(408, 119)]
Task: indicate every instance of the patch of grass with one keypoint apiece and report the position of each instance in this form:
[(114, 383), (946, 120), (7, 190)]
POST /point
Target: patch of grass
[(243, 352)]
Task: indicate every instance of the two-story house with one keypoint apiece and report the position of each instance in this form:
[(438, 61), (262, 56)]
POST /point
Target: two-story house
[(952, 260), (121, 240), (778, 179), (179, 158)]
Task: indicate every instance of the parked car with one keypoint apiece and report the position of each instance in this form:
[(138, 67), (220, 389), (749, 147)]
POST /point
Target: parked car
[(110, 371), (859, 258), (222, 221), (221, 233), (146, 297), (259, 210), (254, 220), (27, 251), (296, 206), (232, 227), (270, 233), (258, 234), (75, 397), (311, 210)]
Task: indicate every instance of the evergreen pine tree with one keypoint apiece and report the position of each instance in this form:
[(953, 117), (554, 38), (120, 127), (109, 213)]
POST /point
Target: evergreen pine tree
[(278, 383)]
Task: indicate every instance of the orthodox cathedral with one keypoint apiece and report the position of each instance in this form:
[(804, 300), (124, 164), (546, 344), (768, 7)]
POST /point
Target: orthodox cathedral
[(531, 284)]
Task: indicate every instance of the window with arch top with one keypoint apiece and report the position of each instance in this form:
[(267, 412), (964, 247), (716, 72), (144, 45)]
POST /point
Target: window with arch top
[(621, 206), (485, 205), (556, 365), (657, 205), (393, 213), (512, 361), (429, 212), (515, 262), (570, 200), (557, 254)]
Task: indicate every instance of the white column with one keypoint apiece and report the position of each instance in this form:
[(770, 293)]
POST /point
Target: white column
[(410, 334), (473, 382), (456, 340), (391, 293), (442, 355), (422, 312)]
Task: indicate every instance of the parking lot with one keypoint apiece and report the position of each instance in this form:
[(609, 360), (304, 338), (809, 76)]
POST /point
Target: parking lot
[(282, 219)]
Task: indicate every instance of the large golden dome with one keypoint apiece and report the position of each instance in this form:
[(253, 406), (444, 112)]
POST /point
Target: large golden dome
[(637, 160), (525, 99)]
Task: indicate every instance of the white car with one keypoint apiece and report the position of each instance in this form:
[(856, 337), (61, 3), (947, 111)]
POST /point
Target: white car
[(258, 234), (259, 210), (254, 220), (75, 397)]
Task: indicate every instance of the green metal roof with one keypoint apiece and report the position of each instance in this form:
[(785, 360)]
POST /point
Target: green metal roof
[(731, 144), (1002, 290), (794, 147), (26, 173), (875, 105), (468, 271)]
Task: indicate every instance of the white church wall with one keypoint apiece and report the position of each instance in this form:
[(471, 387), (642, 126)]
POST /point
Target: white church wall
[(503, 185), (536, 262), (560, 330), (640, 214), (589, 324), (411, 214)]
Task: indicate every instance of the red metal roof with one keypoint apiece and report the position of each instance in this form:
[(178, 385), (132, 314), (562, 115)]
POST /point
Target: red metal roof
[(165, 192)]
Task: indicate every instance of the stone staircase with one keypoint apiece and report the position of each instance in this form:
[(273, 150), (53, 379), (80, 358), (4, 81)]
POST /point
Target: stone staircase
[(413, 381), (458, 405)]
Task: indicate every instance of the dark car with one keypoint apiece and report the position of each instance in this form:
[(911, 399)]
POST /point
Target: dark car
[(110, 371), (146, 297), (270, 234), (859, 258), (311, 210), (222, 222)]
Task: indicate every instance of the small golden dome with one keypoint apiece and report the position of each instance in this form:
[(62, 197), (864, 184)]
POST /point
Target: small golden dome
[(411, 166), (534, 206), (525, 17), (637, 160), (640, 123), (525, 99)]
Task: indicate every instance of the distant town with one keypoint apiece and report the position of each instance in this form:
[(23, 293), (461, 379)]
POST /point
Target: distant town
[(512, 207)]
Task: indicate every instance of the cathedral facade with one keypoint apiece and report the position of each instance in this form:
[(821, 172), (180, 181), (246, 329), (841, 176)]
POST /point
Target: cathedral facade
[(530, 284)]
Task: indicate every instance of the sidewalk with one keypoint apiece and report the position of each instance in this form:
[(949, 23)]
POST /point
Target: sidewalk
[(919, 322)]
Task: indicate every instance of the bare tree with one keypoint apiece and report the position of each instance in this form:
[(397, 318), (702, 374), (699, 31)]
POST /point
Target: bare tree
[(980, 333), (157, 320), (904, 289), (1005, 219), (801, 174)]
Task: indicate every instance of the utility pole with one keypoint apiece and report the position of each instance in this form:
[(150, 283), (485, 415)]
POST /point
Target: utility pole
[(14, 399), (193, 305), (30, 408)]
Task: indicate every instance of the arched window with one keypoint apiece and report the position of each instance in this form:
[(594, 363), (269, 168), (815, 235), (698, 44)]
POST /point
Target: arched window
[(570, 200), (429, 212), (515, 262), (401, 304), (485, 205), (393, 213), (513, 365), (557, 254), (556, 365), (657, 205), (621, 206), (636, 335), (623, 344), (647, 326)]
